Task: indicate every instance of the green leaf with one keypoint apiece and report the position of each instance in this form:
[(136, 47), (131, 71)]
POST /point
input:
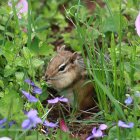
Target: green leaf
[(8, 71), (1, 84), (1, 94), (138, 133), (37, 62), (112, 23), (19, 77), (20, 61), (11, 104), (41, 48), (7, 51), (46, 49), (26, 53), (2, 28)]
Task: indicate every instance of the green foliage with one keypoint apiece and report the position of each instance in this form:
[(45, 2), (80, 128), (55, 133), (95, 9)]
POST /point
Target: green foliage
[(111, 23), (11, 106), (108, 37)]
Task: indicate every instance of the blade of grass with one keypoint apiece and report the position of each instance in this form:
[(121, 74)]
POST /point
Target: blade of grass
[(114, 66), (29, 24)]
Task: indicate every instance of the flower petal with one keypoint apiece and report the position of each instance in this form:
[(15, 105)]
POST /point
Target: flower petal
[(22, 6), (29, 96), (29, 82), (63, 126), (103, 127), (37, 90), (90, 137), (128, 101), (11, 123), (53, 101), (97, 133), (124, 125), (26, 124), (5, 138), (32, 113), (37, 120), (3, 121), (137, 24), (34, 119), (61, 99), (50, 124)]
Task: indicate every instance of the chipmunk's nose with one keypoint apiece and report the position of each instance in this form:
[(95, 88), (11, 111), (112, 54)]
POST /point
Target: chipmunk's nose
[(45, 78)]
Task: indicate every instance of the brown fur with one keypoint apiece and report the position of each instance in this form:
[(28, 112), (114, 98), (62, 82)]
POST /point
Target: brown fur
[(71, 78)]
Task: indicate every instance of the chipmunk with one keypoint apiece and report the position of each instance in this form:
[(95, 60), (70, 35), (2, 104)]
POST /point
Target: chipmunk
[(67, 72)]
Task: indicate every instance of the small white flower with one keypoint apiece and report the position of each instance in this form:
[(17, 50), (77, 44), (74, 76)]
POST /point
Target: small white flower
[(5, 138)]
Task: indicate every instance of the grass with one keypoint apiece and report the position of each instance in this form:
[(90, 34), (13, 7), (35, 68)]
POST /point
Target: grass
[(109, 45)]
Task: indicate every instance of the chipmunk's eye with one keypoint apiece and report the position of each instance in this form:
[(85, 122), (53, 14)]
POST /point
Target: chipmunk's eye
[(62, 67)]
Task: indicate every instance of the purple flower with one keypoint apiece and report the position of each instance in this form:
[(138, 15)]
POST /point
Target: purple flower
[(50, 124), (61, 99), (32, 120), (29, 82), (22, 7), (97, 133), (36, 89), (128, 101), (29, 96), (57, 99), (2, 121), (124, 125), (11, 123), (137, 24), (103, 127)]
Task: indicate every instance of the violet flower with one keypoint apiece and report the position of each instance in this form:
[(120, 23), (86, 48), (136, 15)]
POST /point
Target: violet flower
[(128, 101), (22, 7), (11, 123), (97, 133), (29, 96), (57, 99), (50, 124), (29, 82), (137, 24), (32, 120), (36, 89), (2, 121), (124, 125), (103, 127)]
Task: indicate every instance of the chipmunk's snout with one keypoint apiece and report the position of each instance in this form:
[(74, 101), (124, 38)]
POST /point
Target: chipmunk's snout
[(45, 78)]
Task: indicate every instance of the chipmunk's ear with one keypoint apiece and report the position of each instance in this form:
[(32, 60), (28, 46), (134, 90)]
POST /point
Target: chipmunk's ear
[(74, 57), (61, 48)]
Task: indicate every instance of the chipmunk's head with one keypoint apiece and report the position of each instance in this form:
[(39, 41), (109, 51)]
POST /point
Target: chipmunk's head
[(64, 69)]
